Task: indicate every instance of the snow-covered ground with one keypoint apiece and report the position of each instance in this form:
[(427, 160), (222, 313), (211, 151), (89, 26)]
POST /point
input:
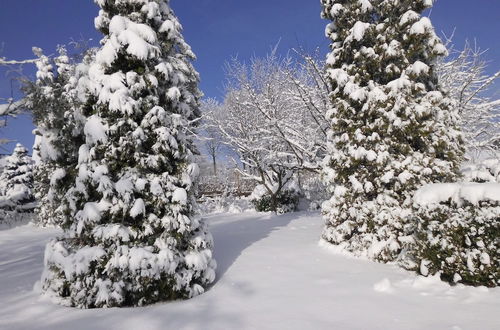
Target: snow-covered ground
[(272, 274)]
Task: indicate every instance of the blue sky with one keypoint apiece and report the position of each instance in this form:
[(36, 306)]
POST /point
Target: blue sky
[(216, 30)]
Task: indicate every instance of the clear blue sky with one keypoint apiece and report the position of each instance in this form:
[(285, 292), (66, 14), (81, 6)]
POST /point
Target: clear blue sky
[(217, 30)]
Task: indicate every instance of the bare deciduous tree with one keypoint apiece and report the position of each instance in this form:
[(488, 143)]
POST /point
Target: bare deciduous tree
[(464, 75), (212, 141), (273, 117)]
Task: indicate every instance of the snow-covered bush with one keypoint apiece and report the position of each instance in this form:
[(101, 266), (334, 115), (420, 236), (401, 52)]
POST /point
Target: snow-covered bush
[(133, 235), (17, 200), (457, 233), (392, 127), (283, 201), (225, 204)]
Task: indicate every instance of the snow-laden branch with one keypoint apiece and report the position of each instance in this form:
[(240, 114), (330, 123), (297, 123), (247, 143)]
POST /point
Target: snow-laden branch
[(4, 61), (490, 104), (11, 107)]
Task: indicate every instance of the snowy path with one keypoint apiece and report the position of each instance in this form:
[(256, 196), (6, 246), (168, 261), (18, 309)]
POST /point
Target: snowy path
[(272, 275)]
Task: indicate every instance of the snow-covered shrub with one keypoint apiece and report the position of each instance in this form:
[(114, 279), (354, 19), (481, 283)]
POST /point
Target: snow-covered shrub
[(284, 201), (225, 204), (133, 235), (487, 170), (392, 127), (457, 233), (17, 201)]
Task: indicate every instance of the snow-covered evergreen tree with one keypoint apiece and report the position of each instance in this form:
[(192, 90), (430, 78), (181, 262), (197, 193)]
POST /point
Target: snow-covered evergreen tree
[(56, 99), (133, 235), (16, 185), (392, 128), (44, 99)]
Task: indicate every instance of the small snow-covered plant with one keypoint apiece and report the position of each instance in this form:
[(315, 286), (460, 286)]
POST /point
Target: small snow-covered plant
[(133, 235), (284, 201), (392, 127), (16, 186), (457, 233)]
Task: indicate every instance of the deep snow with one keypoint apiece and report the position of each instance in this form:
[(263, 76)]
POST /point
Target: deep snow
[(272, 274)]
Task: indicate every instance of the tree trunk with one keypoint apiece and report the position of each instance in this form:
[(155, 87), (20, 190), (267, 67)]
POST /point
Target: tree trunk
[(274, 203), (214, 164)]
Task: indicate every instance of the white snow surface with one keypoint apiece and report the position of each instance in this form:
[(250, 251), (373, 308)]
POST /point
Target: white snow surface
[(458, 193), (271, 274)]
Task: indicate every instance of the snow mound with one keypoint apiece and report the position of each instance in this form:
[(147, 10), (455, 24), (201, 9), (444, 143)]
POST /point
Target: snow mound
[(384, 286)]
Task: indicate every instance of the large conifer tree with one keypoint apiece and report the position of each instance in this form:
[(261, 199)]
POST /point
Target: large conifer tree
[(133, 236), (392, 127)]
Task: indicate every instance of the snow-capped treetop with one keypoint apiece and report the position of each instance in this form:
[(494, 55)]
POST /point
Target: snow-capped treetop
[(18, 153), (144, 83), (150, 33), (63, 61)]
